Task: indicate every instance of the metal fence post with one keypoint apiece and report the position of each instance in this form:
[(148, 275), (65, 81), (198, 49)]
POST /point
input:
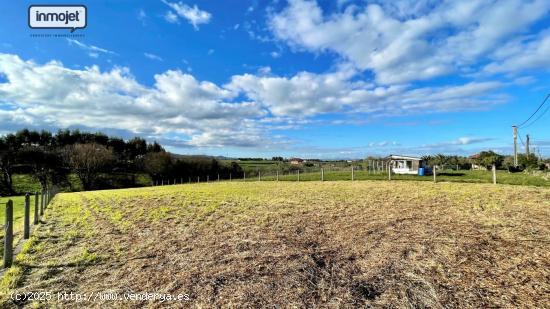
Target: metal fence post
[(352, 174), (259, 176), (494, 174), (298, 175), (389, 171), (27, 218), (435, 173), (8, 235)]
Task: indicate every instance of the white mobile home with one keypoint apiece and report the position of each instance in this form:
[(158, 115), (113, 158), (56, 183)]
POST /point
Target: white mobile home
[(405, 164)]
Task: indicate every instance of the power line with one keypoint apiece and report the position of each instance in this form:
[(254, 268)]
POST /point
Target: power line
[(539, 117), (540, 106)]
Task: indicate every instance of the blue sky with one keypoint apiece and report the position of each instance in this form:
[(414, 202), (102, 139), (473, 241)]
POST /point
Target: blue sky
[(326, 79)]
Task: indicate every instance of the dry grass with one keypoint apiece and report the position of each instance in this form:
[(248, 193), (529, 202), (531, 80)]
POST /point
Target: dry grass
[(331, 244)]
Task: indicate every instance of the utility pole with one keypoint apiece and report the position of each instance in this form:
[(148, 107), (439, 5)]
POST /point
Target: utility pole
[(515, 131), (527, 146)]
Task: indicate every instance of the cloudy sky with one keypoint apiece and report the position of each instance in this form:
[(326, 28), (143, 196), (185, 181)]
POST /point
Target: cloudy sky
[(327, 79)]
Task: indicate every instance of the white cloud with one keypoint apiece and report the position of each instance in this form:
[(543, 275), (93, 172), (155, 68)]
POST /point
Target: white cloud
[(142, 17), (383, 144), (240, 113), (402, 41), (171, 17), (153, 57), (193, 15), (461, 141), (264, 70), (307, 94), (51, 95), (523, 54), (93, 51), (275, 54)]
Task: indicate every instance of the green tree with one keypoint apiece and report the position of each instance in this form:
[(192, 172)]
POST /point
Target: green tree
[(488, 158)]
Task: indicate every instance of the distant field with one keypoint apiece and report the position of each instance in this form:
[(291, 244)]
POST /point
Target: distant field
[(444, 176), (26, 183), (403, 244)]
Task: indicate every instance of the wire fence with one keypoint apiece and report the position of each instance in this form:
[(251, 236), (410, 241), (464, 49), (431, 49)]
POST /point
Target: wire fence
[(382, 170), (19, 220)]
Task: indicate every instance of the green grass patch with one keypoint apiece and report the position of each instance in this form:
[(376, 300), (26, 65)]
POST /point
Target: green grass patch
[(465, 176)]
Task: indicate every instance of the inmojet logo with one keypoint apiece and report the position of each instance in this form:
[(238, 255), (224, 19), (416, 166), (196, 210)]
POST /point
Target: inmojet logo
[(50, 16)]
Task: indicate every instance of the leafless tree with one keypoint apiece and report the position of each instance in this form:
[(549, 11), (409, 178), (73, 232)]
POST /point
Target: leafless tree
[(88, 160)]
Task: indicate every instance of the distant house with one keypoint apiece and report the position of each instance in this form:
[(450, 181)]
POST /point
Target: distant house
[(475, 166), (405, 164), (296, 161)]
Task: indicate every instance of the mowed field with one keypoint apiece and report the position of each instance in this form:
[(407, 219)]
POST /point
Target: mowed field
[(396, 244)]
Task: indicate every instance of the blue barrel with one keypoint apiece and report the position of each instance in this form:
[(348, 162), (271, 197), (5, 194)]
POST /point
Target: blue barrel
[(420, 171)]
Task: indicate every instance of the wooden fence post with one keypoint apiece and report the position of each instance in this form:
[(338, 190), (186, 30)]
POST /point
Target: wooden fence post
[(244, 176), (494, 174), (42, 202), (36, 215), (8, 235), (277, 175), (389, 171), (27, 218), (218, 177), (435, 173), (322, 174), (259, 176), (298, 175), (352, 174), (198, 179), (229, 177)]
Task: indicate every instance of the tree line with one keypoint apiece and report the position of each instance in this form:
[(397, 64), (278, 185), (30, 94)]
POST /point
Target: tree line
[(486, 159), (98, 160)]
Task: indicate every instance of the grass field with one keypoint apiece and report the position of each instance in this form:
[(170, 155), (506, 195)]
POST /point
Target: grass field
[(26, 183), (286, 244), (466, 176)]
